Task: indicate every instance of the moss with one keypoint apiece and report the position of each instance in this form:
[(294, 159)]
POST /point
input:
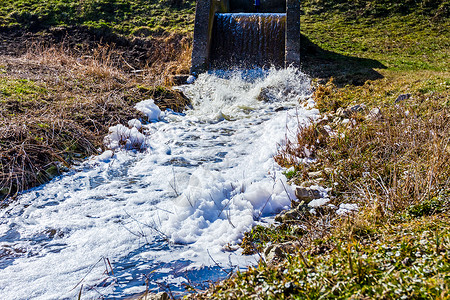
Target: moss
[(20, 90), (429, 207)]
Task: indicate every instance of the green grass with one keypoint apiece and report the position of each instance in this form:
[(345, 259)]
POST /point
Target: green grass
[(409, 42), (408, 260), (376, 8), (20, 90), (137, 17)]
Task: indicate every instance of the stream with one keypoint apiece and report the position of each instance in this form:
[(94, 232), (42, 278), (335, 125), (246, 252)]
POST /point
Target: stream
[(169, 215)]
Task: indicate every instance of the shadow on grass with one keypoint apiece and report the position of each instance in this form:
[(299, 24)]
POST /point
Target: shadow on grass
[(325, 64)]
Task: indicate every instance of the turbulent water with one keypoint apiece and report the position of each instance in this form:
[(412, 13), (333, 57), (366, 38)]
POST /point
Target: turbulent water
[(166, 216)]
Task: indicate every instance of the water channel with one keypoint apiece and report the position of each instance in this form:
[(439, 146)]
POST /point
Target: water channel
[(169, 215)]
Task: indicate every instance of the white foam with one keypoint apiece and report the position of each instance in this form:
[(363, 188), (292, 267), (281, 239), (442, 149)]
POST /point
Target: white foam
[(135, 123), (347, 208), (203, 180), (150, 109), (123, 137)]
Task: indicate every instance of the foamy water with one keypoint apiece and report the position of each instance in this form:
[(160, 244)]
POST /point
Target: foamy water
[(170, 215)]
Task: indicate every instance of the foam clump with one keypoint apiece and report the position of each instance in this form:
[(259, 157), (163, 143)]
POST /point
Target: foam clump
[(105, 156), (121, 136), (135, 123), (214, 210), (347, 208), (150, 109)]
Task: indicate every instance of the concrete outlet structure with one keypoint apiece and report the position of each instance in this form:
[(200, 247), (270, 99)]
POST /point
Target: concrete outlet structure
[(205, 17)]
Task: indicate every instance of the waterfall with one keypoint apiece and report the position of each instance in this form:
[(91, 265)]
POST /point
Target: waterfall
[(248, 40)]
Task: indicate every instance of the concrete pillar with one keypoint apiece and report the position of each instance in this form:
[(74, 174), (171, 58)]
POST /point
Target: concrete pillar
[(200, 47), (292, 53), (204, 20)]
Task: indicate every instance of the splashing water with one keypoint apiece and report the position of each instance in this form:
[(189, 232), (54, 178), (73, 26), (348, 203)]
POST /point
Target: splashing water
[(170, 215)]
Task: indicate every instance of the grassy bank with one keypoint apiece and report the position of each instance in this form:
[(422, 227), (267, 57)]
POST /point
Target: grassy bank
[(139, 18), (71, 69)]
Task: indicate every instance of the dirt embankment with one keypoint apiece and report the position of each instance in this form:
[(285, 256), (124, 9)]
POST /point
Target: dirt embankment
[(60, 91)]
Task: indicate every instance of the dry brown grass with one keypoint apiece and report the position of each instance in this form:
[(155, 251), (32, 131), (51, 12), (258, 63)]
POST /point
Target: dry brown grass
[(165, 65), (388, 163)]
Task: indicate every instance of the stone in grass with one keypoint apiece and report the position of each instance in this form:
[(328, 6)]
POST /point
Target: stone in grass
[(277, 252), (287, 215), (301, 211), (357, 108), (375, 114), (347, 112), (307, 194), (342, 112), (402, 97)]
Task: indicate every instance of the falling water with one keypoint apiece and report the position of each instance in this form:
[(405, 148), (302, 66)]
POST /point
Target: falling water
[(243, 39), (170, 215)]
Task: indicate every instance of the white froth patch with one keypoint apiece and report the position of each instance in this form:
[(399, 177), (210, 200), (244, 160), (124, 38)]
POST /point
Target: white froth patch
[(128, 138), (318, 202), (150, 109), (135, 123), (347, 208)]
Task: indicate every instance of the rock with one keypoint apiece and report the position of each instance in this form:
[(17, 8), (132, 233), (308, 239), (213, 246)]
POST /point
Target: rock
[(357, 108), (287, 215), (402, 97), (345, 113), (374, 114), (278, 252), (151, 296), (266, 95), (300, 211), (307, 194)]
